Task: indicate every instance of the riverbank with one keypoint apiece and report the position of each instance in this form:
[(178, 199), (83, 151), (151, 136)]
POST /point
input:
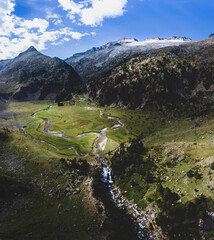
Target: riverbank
[(71, 190), (98, 150), (179, 157)]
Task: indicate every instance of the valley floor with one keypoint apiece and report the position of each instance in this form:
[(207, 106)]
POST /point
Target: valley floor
[(42, 197)]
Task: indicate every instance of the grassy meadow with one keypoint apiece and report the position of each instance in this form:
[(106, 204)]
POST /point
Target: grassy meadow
[(176, 147), (73, 120)]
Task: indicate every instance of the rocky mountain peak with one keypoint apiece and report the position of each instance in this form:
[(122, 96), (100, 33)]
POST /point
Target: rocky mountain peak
[(31, 49), (211, 35), (32, 76), (155, 38), (126, 40), (180, 38), (175, 38), (121, 42)]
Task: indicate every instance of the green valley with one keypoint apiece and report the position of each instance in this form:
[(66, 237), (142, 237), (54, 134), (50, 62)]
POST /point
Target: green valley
[(148, 154)]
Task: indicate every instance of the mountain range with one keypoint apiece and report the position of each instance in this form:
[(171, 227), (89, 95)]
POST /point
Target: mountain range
[(162, 74), (168, 78), (99, 59)]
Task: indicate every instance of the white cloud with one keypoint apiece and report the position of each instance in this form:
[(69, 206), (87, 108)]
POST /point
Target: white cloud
[(57, 21), (50, 14), (102, 9), (6, 20), (69, 5), (17, 34), (74, 35), (40, 24), (10, 48), (93, 12), (53, 17)]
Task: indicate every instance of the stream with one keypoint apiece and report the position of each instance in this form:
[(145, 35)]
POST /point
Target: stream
[(106, 175)]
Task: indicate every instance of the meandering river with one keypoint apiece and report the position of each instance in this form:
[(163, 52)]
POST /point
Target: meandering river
[(106, 176)]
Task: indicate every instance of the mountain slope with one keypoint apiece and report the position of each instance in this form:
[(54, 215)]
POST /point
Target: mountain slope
[(32, 75), (3, 63), (160, 79), (97, 60)]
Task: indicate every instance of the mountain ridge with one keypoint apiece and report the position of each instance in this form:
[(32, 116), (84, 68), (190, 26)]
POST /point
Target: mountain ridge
[(167, 79), (99, 59), (32, 75), (128, 40)]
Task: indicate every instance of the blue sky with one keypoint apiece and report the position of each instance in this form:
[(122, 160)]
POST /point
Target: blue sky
[(64, 27)]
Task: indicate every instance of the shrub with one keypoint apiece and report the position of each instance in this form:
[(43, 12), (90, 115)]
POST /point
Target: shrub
[(4, 134), (142, 204), (194, 173), (190, 174)]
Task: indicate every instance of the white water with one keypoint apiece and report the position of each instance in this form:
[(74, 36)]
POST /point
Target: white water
[(106, 176)]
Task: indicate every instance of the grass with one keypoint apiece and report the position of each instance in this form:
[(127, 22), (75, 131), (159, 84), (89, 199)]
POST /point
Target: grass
[(30, 149), (181, 137), (38, 215), (33, 213), (34, 127), (111, 146), (176, 146), (77, 214), (46, 221), (75, 120), (28, 107), (184, 130), (194, 145), (137, 124), (84, 144)]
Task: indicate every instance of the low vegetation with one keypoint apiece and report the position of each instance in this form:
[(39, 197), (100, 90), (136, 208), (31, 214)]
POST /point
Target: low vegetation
[(42, 197), (156, 161), (145, 180)]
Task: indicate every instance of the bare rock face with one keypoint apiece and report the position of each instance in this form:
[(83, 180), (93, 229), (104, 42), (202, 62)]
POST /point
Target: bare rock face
[(164, 79), (32, 76), (3, 63)]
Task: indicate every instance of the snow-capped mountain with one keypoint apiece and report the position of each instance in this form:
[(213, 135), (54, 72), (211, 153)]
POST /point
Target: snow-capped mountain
[(178, 79), (102, 58)]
